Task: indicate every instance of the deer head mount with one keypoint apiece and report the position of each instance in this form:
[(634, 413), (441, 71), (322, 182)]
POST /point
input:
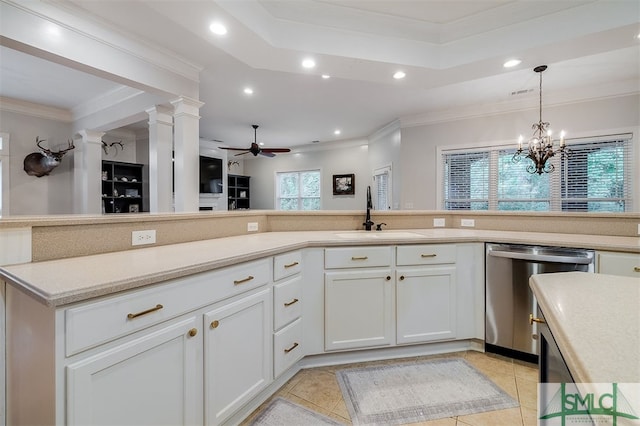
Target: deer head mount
[(42, 163)]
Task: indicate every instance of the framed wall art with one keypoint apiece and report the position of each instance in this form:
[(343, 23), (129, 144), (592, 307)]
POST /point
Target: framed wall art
[(344, 184)]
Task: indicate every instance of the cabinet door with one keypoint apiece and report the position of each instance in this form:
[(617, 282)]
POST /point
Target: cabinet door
[(625, 264), (426, 304), (153, 380), (238, 354), (358, 309)]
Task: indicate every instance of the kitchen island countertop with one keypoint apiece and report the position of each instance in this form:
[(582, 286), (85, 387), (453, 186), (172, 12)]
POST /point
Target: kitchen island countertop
[(63, 281), (595, 320)]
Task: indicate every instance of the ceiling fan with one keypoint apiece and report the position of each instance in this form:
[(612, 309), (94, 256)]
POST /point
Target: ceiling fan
[(255, 148)]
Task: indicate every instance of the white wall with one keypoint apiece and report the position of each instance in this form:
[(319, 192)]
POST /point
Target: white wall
[(350, 159), (30, 195), (418, 151)]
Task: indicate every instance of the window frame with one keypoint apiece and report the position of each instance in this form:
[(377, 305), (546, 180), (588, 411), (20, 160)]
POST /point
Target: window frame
[(299, 197), (379, 172), (555, 202)]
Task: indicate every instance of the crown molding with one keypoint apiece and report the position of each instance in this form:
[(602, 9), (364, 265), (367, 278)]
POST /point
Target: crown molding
[(35, 110)]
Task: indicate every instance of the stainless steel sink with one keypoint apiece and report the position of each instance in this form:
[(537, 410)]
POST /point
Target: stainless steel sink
[(366, 235)]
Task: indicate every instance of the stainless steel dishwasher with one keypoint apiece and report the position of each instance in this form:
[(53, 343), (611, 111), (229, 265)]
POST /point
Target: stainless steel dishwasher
[(509, 300)]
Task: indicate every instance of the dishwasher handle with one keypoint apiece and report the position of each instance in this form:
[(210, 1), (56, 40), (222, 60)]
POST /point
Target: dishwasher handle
[(581, 260)]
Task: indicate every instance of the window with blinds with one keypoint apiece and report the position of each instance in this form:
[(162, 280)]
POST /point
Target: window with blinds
[(382, 194), (595, 177)]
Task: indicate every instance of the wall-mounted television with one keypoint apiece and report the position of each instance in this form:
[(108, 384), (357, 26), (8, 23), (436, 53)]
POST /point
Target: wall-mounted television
[(210, 175)]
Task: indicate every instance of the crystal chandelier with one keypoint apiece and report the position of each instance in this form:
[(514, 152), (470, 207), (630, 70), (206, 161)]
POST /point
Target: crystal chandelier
[(540, 146)]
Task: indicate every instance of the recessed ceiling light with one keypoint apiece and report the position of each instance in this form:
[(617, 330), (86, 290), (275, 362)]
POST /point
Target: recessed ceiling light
[(248, 91), (638, 36), (261, 143), (399, 75), (337, 132), (511, 63), (326, 76), (308, 63), (217, 28)]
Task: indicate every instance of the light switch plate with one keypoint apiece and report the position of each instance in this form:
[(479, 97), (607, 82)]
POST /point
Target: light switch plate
[(252, 226), (639, 229)]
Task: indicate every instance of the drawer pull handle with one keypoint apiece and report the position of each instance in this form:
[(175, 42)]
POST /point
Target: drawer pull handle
[(215, 324), (388, 278), (249, 278), (148, 311), (291, 303), (193, 332), (295, 345), (359, 257), (636, 269), (291, 265), (401, 277), (428, 255), (532, 320)]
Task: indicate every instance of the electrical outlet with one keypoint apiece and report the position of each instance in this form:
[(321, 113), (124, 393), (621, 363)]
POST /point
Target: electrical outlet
[(468, 222), (438, 222), (252, 226), (639, 229), (139, 238), (408, 206)]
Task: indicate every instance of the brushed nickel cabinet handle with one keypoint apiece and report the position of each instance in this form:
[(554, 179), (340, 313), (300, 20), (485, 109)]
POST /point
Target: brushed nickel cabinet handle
[(215, 324), (428, 255), (636, 269), (148, 311), (532, 319), (291, 303), (295, 345), (359, 257), (193, 332), (291, 265), (249, 278)]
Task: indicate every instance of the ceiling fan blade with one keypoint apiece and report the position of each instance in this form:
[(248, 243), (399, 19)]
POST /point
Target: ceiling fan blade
[(234, 149), (242, 153), (266, 153), (276, 150)]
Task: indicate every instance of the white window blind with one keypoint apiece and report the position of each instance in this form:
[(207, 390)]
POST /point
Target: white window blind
[(596, 176), (382, 199), (298, 190)]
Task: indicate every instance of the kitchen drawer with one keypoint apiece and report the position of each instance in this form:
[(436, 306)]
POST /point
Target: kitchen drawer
[(426, 254), (95, 323), (626, 264), (287, 264), (287, 302), (287, 347), (357, 257)]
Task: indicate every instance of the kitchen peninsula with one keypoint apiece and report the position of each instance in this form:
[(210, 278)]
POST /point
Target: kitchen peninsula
[(161, 308)]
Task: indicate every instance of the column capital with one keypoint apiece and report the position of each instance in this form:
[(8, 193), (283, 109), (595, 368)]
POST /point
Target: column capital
[(160, 114), (189, 106), (91, 136)]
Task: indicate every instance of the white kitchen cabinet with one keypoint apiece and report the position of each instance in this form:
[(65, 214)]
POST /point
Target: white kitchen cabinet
[(359, 309), (152, 380), (613, 263), (237, 354), (425, 304)]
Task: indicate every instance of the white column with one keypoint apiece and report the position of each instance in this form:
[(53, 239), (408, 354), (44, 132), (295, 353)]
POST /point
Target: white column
[(87, 170), (186, 151), (160, 167)]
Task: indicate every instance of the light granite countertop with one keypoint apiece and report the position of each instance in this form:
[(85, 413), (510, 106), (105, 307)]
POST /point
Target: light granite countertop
[(595, 320), (60, 282)]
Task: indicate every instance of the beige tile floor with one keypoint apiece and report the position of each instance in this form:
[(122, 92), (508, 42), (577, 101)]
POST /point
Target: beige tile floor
[(318, 390)]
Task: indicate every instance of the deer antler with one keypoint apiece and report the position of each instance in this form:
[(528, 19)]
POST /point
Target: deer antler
[(71, 146), (45, 150)]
